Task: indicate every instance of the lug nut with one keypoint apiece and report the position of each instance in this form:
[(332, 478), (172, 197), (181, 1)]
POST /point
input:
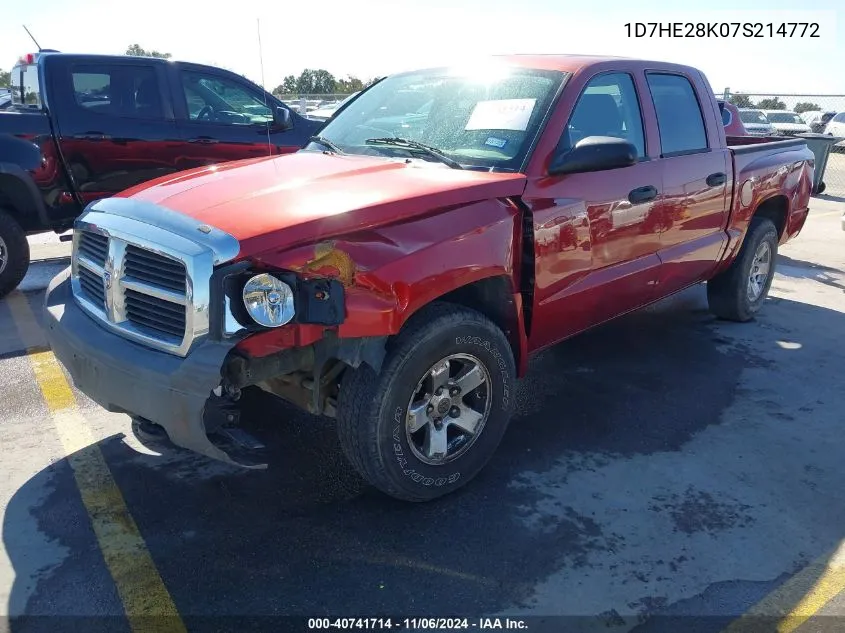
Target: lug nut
[(455, 412), (439, 391), (438, 423), (454, 391), (429, 408)]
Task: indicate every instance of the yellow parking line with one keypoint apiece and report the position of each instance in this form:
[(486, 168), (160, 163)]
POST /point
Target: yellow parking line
[(799, 598), (146, 601)]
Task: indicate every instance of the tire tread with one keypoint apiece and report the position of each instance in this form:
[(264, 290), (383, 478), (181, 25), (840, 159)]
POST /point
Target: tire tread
[(363, 392), (17, 253), (725, 292)]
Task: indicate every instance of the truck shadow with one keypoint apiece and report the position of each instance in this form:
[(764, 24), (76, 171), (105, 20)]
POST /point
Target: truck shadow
[(800, 269), (308, 537)]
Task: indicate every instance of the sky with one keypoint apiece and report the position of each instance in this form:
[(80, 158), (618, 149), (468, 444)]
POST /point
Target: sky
[(368, 38)]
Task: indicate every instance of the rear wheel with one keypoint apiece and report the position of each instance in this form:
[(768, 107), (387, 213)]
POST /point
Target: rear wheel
[(738, 293), (435, 414), (14, 253)]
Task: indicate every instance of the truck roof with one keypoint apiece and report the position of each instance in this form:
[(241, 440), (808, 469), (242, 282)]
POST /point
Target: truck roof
[(572, 63), (94, 57)]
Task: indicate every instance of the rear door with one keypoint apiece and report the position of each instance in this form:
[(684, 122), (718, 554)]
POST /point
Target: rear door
[(222, 118), (697, 175), (115, 127), (596, 234)]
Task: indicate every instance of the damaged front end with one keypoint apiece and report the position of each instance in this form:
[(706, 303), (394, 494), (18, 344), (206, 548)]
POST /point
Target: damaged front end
[(150, 318)]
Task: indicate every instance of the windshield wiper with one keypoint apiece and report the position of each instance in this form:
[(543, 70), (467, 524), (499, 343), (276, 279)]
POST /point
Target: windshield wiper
[(327, 144), (409, 144)]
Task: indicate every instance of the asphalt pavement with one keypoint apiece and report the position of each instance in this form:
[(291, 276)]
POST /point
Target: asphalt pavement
[(665, 472)]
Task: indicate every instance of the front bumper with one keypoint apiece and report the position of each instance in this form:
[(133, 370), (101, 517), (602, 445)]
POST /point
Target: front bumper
[(123, 376)]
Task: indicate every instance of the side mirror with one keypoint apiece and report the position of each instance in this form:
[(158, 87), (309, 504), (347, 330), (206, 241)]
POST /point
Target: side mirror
[(282, 119), (594, 153)]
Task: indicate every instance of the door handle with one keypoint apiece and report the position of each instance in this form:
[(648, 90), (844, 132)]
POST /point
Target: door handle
[(93, 136), (714, 180), (204, 140), (642, 194)]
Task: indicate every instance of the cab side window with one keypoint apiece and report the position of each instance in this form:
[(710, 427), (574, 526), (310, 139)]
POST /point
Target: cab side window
[(120, 90), (607, 107), (679, 118), (213, 99)]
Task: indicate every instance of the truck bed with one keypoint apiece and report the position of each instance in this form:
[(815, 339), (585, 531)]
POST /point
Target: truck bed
[(749, 144), (764, 168)]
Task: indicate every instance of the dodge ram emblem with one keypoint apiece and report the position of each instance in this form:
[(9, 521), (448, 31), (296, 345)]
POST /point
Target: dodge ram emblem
[(106, 279)]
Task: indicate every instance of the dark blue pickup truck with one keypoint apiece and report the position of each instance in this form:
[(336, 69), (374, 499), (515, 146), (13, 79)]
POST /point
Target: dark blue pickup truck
[(84, 127)]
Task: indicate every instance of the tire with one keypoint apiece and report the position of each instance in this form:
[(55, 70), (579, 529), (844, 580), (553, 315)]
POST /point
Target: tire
[(375, 428), (732, 295), (14, 254)]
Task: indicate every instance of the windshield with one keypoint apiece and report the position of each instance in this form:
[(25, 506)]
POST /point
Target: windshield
[(24, 86), (486, 120), (784, 117), (753, 116)]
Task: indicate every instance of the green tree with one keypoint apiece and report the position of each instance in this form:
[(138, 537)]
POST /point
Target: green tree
[(287, 87), (5, 79), (349, 85), (137, 51), (315, 82), (741, 101), (772, 103), (806, 106)]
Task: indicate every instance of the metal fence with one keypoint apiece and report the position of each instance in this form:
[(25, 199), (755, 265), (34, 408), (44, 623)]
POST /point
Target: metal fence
[(804, 105)]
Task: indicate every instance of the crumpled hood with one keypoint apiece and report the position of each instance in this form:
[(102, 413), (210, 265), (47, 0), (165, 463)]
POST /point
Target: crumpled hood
[(307, 196)]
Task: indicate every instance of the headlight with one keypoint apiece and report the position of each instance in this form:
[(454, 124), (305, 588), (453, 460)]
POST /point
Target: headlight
[(268, 300)]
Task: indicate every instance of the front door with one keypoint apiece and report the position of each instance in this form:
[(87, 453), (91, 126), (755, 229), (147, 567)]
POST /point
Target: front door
[(223, 119), (596, 234)]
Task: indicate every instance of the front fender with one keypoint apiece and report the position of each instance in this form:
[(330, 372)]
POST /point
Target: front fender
[(19, 187), (391, 272)]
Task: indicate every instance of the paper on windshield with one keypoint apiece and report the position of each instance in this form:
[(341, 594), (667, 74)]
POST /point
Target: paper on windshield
[(502, 114)]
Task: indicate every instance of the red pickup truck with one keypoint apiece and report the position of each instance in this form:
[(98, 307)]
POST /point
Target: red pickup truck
[(398, 271)]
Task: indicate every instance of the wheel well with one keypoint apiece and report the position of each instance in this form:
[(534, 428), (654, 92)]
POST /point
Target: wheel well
[(775, 209), (14, 198), (492, 297)]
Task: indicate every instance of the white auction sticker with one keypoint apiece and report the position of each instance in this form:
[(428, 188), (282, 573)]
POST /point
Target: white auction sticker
[(502, 114)]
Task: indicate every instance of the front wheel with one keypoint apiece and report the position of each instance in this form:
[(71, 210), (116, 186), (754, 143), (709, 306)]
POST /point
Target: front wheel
[(431, 419), (14, 254)]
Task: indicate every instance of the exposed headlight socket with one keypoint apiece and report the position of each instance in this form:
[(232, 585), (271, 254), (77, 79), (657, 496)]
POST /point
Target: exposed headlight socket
[(259, 300)]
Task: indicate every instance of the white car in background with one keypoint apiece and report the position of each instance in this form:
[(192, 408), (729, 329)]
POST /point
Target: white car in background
[(836, 127), (817, 119), (756, 123), (787, 122), (324, 113)]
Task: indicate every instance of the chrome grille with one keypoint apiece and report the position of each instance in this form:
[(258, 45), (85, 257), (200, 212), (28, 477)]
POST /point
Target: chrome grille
[(144, 271), (95, 247), (152, 268), (92, 286), (158, 315), (141, 291)]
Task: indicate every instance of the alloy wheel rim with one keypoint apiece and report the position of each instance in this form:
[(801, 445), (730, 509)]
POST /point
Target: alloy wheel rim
[(3, 255), (449, 408), (760, 270)]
